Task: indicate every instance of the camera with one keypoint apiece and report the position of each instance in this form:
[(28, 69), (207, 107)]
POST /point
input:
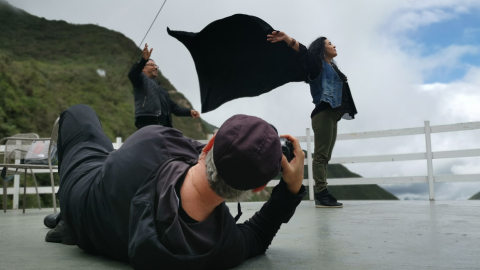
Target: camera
[(287, 148)]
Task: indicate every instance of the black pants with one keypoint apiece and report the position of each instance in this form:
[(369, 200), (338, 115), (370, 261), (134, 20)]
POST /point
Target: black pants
[(143, 121), (82, 149), (80, 123), (77, 124)]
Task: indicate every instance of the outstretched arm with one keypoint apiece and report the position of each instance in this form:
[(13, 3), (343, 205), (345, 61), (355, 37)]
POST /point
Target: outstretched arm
[(135, 72), (178, 110), (311, 66), (278, 36)]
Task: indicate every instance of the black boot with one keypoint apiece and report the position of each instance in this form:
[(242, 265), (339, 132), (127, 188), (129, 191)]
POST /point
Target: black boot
[(60, 234), (325, 199), (52, 220)]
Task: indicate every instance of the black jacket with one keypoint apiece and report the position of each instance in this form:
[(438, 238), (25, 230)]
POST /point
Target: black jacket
[(123, 205), (151, 99)]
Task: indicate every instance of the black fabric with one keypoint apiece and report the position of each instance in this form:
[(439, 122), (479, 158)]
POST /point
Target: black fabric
[(152, 100), (234, 59), (122, 203)]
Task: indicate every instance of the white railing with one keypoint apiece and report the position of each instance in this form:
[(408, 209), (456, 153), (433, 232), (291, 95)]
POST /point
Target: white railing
[(428, 155)]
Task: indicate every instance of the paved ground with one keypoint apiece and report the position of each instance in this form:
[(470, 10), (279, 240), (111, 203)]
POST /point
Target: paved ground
[(363, 235)]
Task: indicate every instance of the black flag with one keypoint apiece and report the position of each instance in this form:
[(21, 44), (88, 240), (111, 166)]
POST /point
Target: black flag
[(234, 59)]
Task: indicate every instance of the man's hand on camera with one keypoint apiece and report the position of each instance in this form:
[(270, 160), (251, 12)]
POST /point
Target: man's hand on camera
[(293, 171), (145, 53)]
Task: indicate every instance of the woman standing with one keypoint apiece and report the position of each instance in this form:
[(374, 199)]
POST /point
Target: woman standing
[(333, 101)]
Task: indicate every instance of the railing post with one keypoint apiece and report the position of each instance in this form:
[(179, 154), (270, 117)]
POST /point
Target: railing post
[(428, 143), (309, 165), (118, 142), (16, 189), (16, 180)]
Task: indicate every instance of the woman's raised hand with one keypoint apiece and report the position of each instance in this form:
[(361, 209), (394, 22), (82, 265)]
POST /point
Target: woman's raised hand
[(277, 36)]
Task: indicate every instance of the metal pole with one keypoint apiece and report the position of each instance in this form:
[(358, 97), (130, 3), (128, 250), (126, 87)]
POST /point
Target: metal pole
[(16, 179), (36, 189), (25, 191), (309, 165), (118, 142), (431, 180), (52, 182), (5, 196)]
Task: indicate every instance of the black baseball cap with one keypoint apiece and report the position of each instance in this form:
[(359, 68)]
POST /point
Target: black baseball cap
[(247, 152)]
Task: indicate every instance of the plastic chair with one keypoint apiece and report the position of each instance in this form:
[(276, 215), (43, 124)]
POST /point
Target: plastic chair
[(15, 149)]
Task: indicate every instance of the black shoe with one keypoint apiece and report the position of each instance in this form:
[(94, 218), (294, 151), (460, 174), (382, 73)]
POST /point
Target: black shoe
[(52, 220), (59, 235), (325, 199)]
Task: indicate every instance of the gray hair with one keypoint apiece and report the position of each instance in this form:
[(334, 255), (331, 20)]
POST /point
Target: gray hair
[(217, 184)]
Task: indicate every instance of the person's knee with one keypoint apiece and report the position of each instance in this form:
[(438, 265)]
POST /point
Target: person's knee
[(80, 109), (320, 158)]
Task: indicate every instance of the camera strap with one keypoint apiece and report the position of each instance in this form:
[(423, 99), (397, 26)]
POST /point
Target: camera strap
[(239, 212)]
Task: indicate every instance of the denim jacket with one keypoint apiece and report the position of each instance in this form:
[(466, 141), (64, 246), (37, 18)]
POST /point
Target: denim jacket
[(327, 87)]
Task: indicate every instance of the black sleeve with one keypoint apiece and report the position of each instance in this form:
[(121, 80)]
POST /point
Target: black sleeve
[(311, 65), (259, 230), (177, 110), (135, 72)]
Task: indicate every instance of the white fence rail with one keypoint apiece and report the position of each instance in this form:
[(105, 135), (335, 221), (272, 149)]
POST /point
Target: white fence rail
[(428, 155)]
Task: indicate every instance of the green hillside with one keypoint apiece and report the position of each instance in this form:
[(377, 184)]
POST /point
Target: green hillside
[(47, 66), (475, 197)]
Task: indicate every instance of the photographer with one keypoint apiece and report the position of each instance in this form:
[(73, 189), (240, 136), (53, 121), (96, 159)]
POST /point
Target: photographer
[(153, 105), (158, 204)]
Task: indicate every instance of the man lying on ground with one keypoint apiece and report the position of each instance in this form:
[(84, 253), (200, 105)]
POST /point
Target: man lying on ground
[(155, 203)]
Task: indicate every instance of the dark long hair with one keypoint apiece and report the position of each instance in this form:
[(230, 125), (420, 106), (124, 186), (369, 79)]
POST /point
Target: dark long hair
[(317, 48)]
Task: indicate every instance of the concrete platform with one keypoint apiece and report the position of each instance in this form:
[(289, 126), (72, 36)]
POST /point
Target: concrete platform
[(362, 235)]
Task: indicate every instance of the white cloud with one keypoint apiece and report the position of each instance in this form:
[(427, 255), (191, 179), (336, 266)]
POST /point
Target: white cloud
[(449, 58), (412, 20), (456, 191), (469, 167), (411, 15), (459, 100)]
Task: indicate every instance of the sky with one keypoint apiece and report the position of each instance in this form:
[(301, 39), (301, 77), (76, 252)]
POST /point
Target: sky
[(407, 62)]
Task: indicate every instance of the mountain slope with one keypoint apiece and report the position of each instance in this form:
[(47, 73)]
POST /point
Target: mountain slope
[(475, 197), (47, 66), (345, 192), (355, 192)]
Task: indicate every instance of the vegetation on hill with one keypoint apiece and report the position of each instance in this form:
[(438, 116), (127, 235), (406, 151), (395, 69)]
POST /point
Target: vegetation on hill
[(48, 66)]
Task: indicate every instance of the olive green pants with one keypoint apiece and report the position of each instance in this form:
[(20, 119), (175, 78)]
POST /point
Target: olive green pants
[(325, 132)]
